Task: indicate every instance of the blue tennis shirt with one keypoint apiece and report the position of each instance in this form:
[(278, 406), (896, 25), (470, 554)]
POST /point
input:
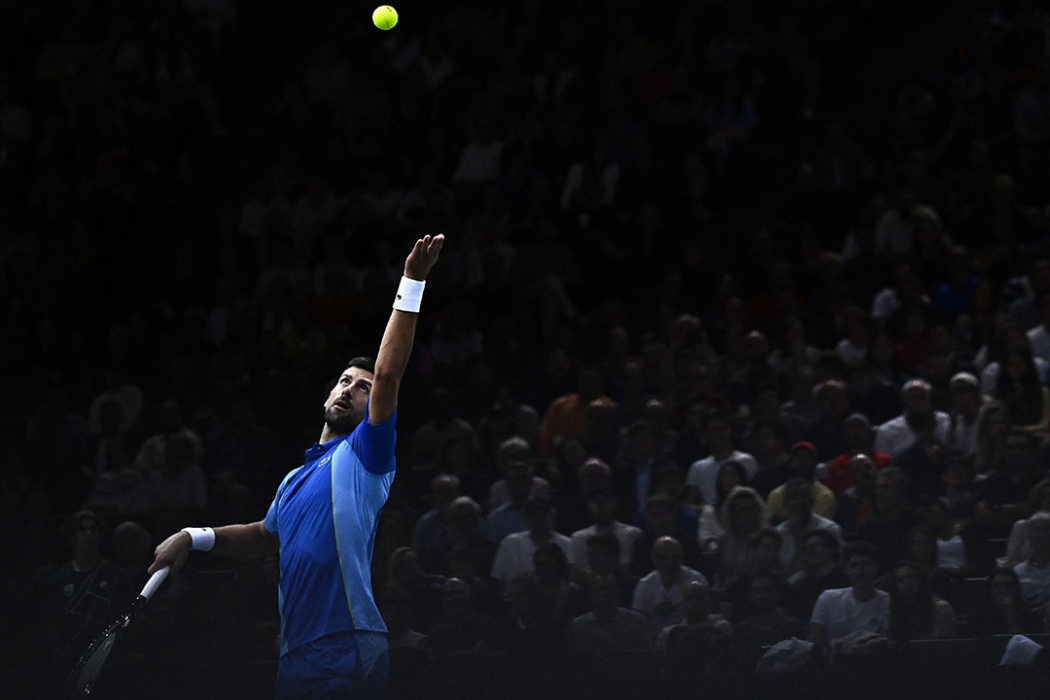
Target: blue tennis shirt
[(325, 515)]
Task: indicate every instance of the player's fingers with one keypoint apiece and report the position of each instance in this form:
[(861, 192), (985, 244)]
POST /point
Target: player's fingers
[(435, 245)]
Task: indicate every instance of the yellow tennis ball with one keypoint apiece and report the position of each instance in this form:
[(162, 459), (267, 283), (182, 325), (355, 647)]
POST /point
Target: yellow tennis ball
[(384, 17)]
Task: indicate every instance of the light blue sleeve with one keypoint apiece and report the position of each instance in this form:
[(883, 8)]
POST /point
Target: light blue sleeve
[(270, 521)]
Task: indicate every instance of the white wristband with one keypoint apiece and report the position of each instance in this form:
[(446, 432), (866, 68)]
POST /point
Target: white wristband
[(409, 295), (203, 537)]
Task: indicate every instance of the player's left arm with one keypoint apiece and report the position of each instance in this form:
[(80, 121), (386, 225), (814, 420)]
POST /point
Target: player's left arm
[(396, 347)]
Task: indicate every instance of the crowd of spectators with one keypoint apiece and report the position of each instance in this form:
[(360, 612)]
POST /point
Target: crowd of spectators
[(741, 332)]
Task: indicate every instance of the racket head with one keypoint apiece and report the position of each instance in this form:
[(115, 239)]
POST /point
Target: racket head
[(86, 672)]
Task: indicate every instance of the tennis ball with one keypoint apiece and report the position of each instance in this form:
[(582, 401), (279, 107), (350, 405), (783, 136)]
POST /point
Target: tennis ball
[(384, 17)]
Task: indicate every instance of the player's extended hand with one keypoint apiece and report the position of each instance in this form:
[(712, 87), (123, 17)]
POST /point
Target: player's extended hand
[(172, 552), (423, 256)]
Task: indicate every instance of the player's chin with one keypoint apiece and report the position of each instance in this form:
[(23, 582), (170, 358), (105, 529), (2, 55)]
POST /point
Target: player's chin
[(341, 421)]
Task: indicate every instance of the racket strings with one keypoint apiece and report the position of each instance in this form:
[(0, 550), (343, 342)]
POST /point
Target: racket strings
[(88, 670)]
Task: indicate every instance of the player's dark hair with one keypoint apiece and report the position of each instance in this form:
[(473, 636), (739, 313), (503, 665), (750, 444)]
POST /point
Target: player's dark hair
[(365, 363)]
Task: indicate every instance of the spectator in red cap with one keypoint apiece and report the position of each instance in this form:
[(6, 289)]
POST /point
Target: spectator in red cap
[(803, 465)]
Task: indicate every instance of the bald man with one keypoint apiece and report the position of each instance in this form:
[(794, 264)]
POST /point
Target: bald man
[(658, 595)]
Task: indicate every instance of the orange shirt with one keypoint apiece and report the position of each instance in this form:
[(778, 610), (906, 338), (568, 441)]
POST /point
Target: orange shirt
[(566, 415)]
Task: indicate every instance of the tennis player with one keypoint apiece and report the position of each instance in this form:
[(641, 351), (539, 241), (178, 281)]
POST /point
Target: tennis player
[(324, 516)]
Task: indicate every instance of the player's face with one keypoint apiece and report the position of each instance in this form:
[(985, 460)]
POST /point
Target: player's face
[(346, 403)]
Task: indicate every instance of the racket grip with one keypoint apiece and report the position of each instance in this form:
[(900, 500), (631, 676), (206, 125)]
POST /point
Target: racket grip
[(154, 582)]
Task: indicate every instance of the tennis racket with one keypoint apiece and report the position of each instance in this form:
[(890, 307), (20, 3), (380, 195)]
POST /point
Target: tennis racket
[(85, 673)]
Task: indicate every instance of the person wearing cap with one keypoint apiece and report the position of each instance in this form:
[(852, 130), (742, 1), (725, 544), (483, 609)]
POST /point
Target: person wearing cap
[(514, 554), (896, 436), (860, 440), (968, 408), (804, 466)]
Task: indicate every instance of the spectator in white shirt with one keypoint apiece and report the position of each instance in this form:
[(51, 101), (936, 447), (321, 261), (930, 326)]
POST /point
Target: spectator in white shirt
[(997, 352), (658, 595), (1034, 572), (968, 409), (702, 479), (609, 627), (1039, 337), (1017, 549), (861, 607), (697, 615), (895, 436), (514, 554), (602, 505)]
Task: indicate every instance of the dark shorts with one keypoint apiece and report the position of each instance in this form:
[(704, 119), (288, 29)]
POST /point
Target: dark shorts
[(345, 665)]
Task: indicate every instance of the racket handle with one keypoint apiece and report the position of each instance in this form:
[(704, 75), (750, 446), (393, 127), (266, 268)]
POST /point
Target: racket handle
[(154, 582)]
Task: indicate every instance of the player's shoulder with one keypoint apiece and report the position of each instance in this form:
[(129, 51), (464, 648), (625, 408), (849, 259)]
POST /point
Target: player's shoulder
[(367, 425)]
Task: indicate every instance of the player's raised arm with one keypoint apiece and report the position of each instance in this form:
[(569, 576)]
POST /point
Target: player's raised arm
[(400, 332)]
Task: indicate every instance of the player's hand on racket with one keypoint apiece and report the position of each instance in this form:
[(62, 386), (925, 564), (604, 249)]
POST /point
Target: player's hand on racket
[(172, 552), (423, 256)]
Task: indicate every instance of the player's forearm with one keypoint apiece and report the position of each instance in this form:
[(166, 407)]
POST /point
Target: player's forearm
[(245, 541), (396, 346), (241, 541)]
